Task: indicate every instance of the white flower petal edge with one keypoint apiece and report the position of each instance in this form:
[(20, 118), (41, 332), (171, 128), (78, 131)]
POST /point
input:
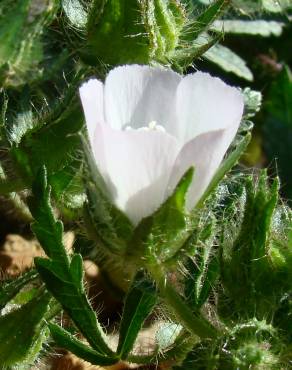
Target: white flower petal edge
[(199, 113), (205, 103), (91, 94), (215, 109), (136, 166)]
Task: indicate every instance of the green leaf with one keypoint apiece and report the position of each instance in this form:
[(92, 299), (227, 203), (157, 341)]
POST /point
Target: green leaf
[(162, 234), (187, 55), (248, 246), (48, 231), (202, 268), (63, 278), (226, 166), (50, 139), (229, 61), (205, 19), (139, 303), (22, 331), (20, 46), (68, 341), (247, 27), (18, 124), (10, 289)]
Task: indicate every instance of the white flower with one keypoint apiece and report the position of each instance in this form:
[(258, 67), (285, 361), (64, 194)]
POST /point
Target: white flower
[(147, 126)]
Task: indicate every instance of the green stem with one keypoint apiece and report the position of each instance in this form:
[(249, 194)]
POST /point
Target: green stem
[(193, 321), (55, 309)]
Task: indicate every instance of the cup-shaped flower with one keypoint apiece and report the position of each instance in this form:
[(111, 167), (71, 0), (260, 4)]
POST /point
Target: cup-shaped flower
[(147, 126)]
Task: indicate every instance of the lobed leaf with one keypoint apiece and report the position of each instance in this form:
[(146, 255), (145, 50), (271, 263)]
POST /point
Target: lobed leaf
[(62, 276)]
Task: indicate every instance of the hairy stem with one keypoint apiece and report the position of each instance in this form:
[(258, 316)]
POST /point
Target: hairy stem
[(193, 321)]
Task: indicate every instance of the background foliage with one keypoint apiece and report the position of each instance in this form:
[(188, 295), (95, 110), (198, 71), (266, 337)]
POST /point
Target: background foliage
[(222, 293)]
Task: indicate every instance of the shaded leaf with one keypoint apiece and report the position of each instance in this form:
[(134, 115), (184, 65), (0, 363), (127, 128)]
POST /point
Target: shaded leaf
[(10, 289), (277, 128), (202, 268), (22, 331), (229, 61), (139, 302), (80, 349)]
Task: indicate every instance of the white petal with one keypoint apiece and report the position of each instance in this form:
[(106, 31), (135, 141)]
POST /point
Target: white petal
[(204, 153), (91, 94), (206, 103), (136, 166), (136, 95)]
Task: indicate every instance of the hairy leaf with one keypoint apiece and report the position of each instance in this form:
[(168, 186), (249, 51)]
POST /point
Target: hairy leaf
[(10, 289), (63, 277), (80, 349), (22, 331), (139, 302)]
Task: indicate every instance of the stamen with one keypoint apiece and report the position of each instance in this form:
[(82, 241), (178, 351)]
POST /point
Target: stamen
[(152, 126)]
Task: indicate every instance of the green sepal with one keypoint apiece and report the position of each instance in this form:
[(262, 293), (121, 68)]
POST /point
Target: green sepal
[(8, 290), (206, 18), (159, 236), (66, 340), (139, 302), (185, 56), (23, 331)]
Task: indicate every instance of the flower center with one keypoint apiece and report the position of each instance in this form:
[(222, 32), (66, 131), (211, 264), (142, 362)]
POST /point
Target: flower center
[(152, 126)]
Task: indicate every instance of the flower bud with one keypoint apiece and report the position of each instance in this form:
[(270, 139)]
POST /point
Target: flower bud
[(134, 31)]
